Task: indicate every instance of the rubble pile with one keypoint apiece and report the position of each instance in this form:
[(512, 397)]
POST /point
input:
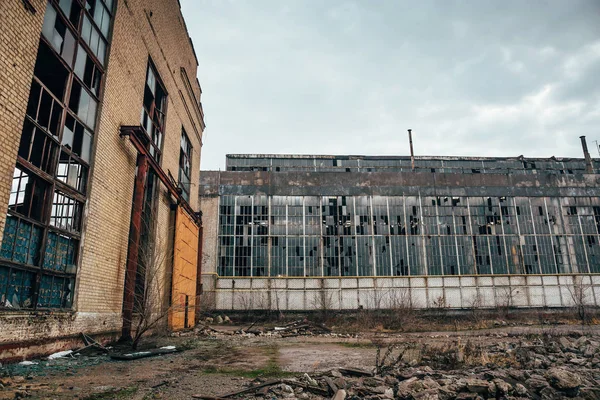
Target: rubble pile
[(302, 327), (539, 368)]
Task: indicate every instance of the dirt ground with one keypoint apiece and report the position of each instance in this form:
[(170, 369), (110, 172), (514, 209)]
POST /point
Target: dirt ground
[(222, 363)]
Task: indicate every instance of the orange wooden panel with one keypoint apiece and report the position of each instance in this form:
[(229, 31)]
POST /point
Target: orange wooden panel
[(185, 270)]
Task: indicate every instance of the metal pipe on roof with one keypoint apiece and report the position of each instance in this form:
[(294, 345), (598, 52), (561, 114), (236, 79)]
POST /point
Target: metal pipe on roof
[(589, 168), (412, 153)]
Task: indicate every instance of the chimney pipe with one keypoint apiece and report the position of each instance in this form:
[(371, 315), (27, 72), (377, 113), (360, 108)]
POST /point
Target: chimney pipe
[(412, 153), (589, 168)]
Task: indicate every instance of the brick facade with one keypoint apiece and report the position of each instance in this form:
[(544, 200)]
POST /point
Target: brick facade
[(143, 30), (19, 37)]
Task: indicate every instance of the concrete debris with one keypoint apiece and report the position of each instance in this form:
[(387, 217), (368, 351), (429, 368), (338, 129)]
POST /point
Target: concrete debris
[(60, 354), (143, 354), (540, 368)]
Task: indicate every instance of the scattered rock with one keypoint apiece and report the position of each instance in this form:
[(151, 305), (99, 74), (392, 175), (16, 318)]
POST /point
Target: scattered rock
[(564, 380)]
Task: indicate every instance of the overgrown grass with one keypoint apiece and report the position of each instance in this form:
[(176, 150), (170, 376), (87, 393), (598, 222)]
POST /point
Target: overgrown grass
[(357, 345), (124, 393), (270, 370)]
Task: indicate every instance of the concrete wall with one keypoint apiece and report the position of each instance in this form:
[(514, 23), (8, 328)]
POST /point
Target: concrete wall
[(300, 294), (420, 292), (214, 183)]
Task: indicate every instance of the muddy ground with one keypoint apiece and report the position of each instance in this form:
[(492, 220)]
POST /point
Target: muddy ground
[(220, 362)]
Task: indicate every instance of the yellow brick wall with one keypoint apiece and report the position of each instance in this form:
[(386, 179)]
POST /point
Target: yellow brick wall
[(142, 29), (20, 32)]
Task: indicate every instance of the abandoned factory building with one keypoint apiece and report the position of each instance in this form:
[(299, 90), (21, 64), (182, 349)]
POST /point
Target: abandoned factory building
[(291, 232), (101, 129)]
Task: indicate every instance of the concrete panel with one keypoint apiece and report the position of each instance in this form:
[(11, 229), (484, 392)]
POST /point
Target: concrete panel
[(436, 298), (334, 297), (258, 283), (278, 300), (419, 298), (349, 299), (553, 296), (586, 280), (453, 298), (435, 282), (565, 279), (501, 281), (295, 300), (518, 281), (295, 284), (536, 296), (487, 298), (311, 283), (224, 283), (469, 296), (566, 296), (279, 283), (595, 299), (467, 281), (534, 280), (452, 282), (595, 279), (519, 296), (398, 298), (365, 283), (223, 300), (261, 300), (349, 282), (484, 281), (383, 283), (331, 283), (550, 280), (417, 282), (401, 282), (243, 300), (243, 283)]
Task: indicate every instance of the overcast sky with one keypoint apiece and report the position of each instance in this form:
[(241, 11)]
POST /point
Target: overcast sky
[(489, 78)]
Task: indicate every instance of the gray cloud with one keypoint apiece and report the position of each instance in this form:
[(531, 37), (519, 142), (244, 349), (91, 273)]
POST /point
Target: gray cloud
[(349, 77)]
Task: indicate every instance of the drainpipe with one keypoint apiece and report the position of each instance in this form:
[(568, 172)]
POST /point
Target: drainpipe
[(134, 245), (589, 168), (412, 153)]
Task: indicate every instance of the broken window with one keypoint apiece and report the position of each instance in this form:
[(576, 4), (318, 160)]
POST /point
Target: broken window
[(153, 111), (37, 147), (27, 194), (55, 292), (94, 39), (43, 223), (87, 70), (16, 288), (83, 104), (21, 241), (72, 172), (59, 36), (44, 109), (77, 138), (185, 165), (72, 10), (66, 212)]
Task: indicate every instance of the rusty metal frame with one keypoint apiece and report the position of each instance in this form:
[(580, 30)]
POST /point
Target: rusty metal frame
[(139, 139), (141, 142)]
